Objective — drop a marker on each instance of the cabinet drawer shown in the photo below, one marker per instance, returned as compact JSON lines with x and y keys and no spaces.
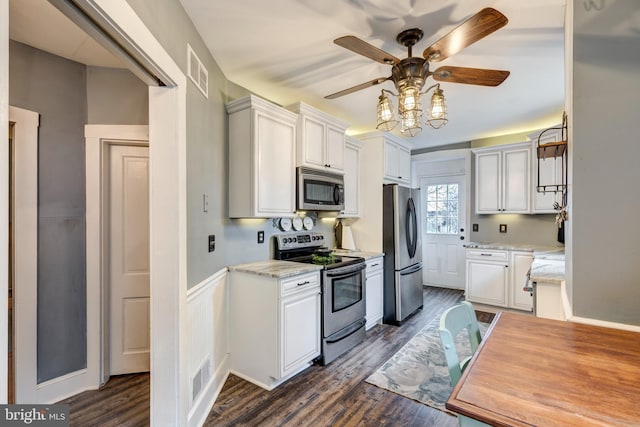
{"x":299,"y":283}
{"x":487,"y":254}
{"x":374,"y":264}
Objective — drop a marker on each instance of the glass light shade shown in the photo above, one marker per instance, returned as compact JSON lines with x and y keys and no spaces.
{"x":386,"y":117}
{"x":409,"y":99}
{"x":411,"y":122}
{"x":438,"y":110}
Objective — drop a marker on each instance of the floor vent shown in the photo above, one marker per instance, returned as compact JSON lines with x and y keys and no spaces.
{"x":197,"y":72}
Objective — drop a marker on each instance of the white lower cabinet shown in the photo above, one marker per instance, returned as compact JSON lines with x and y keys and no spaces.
{"x":519,"y":264}
{"x":374,"y":291}
{"x":496,"y":277}
{"x":274,"y":326}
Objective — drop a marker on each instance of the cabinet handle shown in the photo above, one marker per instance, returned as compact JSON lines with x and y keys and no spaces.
{"x":306,"y":282}
{"x":486,"y":254}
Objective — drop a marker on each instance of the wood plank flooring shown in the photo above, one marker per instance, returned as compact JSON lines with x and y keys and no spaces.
{"x":333,"y":395}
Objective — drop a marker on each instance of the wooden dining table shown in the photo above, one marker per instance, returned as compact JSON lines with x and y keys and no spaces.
{"x":530,"y":371}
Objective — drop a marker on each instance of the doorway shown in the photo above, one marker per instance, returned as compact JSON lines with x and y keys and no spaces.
{"x":118,"y":266}
{"x":444,"y":230}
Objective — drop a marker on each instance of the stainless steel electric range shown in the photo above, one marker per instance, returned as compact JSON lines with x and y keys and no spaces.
{"x":343,"y":290}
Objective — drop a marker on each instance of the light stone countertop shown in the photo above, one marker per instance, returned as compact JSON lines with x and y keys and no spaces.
{"x":276,"y":268}
{"x":515,"y":247}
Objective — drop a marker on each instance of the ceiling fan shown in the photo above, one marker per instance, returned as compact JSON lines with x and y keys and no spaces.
{"x":410,"y":74}
{"x":473,"y":29}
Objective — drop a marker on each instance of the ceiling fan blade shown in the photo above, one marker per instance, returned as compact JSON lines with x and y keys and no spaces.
{"x":470,"y":76}
{"x":358,"y":87}
{"x":361,"y":47}
{"x":470,"y":31}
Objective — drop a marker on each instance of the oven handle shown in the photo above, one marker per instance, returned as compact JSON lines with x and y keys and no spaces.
{"x":349,"y":330}
{"x":344,"y":271}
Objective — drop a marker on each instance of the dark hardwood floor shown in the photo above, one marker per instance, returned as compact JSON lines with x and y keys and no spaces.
{"x":333,"y":395}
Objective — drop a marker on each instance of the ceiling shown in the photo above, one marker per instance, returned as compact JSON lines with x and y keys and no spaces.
{"x":283,"y":50}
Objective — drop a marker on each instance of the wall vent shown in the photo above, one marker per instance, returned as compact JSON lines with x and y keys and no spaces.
{"x":197,"y":72}
{"x":200,"y":379}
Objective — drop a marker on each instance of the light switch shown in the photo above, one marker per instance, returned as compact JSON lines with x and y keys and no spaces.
{"x":212,"y":242}
{"x":503,"y":228}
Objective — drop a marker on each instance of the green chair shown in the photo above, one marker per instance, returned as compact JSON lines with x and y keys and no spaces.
{"x":452,"y":322}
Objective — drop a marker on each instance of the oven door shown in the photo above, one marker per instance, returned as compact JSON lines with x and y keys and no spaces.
{"x":343,"y":297}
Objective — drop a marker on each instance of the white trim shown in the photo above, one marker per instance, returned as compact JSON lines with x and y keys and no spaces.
{"x":62,"y":387}
{"x":168,"y":237}
{"x":25,"y":292}
{"x":4,"y":198}
{"x":195,"y":291}
{"x":203,"y":297}
{"x":97,"y":140}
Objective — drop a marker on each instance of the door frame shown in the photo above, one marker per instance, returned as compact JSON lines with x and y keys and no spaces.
{"x":25,"y":262}
{"x":98,"y":140}
{"x":443,"y":163}
{"x":168,"y":207}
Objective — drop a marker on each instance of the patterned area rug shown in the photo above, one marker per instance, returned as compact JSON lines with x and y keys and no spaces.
{"x":419,"y":369}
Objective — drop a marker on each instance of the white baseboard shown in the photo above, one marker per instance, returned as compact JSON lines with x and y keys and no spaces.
{"x":63,"y":387}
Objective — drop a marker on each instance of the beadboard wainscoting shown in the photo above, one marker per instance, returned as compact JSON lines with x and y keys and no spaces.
{"x":208,"y":341}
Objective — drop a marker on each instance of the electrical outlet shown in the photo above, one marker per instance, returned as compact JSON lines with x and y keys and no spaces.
{"x":503,"y":228}
{"x":475,"y":227}
{"x":261,"y":236}
{"x":212,"y":242}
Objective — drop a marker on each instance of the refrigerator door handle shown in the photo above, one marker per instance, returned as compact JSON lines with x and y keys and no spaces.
{"x":411,"y":228}
{"x":411,"y":270}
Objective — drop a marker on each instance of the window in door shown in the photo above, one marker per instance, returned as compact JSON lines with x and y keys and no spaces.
{"x":442,"y":209}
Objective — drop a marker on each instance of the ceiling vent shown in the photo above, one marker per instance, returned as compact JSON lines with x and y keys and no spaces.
{"x":197,"y":73}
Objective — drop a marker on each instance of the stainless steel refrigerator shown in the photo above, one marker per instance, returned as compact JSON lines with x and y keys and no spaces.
{"x":402,"y":253}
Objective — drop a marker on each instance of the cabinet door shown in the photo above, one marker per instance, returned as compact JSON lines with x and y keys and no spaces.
{"x":487,"y":282}
{"x":351,"y":180}
{"x":391,"y":153}
{"x":274,"y":152}
{"x":516,"y":184}
{"x":374,"y":304}
{"x":404,"y":165}
{"x":519,"y":265}
{"x":335,"y":149}
{"x":313,"y":142}
{"x":488,"y":185}
{"x":300,"y":328}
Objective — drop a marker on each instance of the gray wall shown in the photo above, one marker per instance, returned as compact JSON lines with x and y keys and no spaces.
{"x":207,"y":152}
{"x":116,"y":97}
{"x":605,"y":197}
{"x":56,"y":88}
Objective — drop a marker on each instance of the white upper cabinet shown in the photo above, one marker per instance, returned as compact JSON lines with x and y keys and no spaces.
{"x":262,"y":151}
{"x":351,"y":177}
{"x":320,"y":140}
{"x":503,"y":179}
{"x":546,"y":172}
{"x":397,"y":162}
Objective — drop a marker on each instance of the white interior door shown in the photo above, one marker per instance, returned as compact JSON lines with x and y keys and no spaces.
{"x":444,"y":230}
{"x":129,"y":259}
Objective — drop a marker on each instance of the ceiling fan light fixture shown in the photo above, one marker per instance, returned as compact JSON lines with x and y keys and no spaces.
{"x":437,"y":110}
{"x":411,"y":122}
{"x":386,"y":116}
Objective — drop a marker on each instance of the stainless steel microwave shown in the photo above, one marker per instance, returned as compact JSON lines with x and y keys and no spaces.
{"x":319,"y":190}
